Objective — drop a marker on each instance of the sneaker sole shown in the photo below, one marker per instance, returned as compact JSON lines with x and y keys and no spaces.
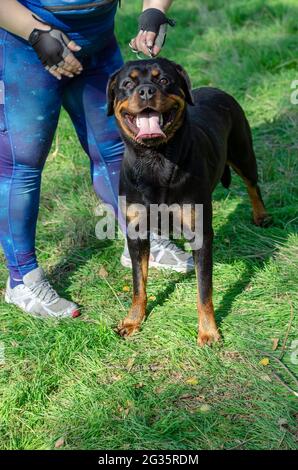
{"x":126,"y":263}
{"x":76,"y":313}
{"x":32,"y":314}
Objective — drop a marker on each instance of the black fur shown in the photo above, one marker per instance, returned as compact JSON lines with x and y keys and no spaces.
{"x":213,"y":135}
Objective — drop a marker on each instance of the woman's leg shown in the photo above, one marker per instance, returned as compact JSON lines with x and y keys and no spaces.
{"x":85,"y":100}
{"x":30,"y":101}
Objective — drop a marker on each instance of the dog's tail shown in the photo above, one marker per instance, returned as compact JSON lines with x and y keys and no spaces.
{"x":226,"y":177}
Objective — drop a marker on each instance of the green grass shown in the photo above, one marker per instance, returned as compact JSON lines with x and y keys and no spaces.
{"x":78,"y":380}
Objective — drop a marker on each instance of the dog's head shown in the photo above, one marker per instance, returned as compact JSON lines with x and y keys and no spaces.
{"x":149,"y":98}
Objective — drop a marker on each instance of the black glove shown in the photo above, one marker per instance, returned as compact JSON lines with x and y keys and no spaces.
{"x":50,"y":46}
{"x":156,"y":21}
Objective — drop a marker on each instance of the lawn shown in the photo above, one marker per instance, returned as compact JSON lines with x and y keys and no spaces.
{"x":77,"y":380}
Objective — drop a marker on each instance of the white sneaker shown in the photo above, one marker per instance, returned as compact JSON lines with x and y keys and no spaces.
{"x":163,"y":255}
{"x":37,"y":297}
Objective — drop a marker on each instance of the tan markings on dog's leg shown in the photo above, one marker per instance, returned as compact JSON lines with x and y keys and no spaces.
{"x":131,"y":324}
{"x":208,"y":332}
{"x":259,"y":211}
{"x":139,"y":297}
{"x":260,"y":214}
{"x":189,"y":219}
{"x":133,"y":213}
{"x":140,"y":260}
{"x":139,"y":301}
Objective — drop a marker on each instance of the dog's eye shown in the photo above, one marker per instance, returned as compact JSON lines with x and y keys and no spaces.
{"x":164,"y":81}
{"x":128,"y":84}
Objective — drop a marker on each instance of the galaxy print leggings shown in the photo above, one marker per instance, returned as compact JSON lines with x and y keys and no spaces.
{"x":30,"y":103}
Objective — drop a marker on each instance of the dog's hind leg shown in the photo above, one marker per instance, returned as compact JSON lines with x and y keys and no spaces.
{"x":241,"y":157}
{"x":260,"y":215}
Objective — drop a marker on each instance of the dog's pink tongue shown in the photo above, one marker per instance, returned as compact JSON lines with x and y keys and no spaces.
{"x":148,"y":124}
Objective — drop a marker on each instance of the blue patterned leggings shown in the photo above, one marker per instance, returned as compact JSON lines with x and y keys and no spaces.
{"x":30,"y":103}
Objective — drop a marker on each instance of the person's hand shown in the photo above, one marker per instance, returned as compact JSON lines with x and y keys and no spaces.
{"x":152,"y":32}
{"x":55,"y":51}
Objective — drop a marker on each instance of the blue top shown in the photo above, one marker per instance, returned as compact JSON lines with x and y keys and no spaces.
{"x":66,"y":3}
{"x":75,"y":15}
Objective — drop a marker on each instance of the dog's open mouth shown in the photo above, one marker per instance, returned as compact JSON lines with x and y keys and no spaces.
{"x":149,"y":124}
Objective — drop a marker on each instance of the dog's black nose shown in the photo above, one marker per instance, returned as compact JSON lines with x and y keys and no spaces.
{"x":146,"y":92}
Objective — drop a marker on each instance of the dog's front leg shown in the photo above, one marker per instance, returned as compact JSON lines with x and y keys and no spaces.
{"x":139,"y":250}
{"x":208,"y":332}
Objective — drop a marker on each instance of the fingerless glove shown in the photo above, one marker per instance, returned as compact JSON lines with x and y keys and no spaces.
{"x":156,"y":21}
{"x":50,"y":46}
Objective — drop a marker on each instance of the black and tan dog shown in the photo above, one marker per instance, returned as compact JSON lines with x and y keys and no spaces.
{"x":179,"y":145}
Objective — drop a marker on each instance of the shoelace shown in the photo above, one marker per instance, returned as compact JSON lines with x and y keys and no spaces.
{"x":44,"y":291}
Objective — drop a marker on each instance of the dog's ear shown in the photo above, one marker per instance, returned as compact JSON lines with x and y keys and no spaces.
{"x":186,"y":84}
{"x":111,"y":93}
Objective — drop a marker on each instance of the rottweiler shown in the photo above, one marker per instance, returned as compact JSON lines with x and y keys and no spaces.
{"x":179,"y":143}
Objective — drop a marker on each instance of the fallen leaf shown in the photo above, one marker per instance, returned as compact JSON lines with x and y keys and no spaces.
{"x":200,"y":398}
{"x":155,"y":367}
{"x":205,"y":408}
{"x":129,"y":406}
{"x":283,"y":424}
{"x":59,"y":443}
{"x":192,"y":381}
{"x":266,"y":378}
{"x":231,"y":355}
{"x":177,"y":376}
{"x":130,"y":363}
{"x":139,"y":385}
{"x":116,"y":378}
{"x":275,"y":342}
{"x":103,"y":273}
{"x":190,"y":398}
{"x":264,"y":362}
{"x":126,"y":288}
{"x":152,"y":297}
{"x":186,"y":396}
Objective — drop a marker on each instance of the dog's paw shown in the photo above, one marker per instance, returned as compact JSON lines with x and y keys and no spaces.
{"x":264,"y":220}
{"x":208,"y":337}
{"x":127,"y":328}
